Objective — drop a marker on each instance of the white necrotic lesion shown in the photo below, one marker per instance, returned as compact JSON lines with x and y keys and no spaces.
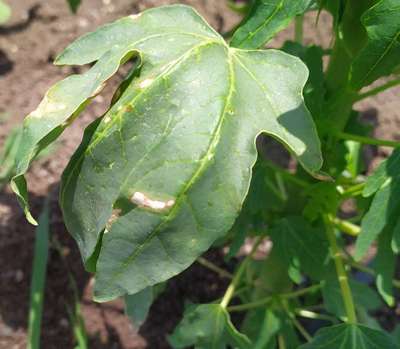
{"x":142,"y":200}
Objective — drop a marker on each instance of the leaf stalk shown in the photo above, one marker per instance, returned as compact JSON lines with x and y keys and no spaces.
{"x":230,"y":291}
{"x":341,"y":272}
{"x":367,"y":140}
{"x":378,"y":89}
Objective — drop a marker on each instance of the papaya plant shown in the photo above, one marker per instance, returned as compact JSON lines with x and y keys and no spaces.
{"x":172,"y":168}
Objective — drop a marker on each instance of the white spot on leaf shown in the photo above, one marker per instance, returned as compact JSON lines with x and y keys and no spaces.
{"x":47,"y":106}
{"x":136,"y":16}
{"x":141,"y":199}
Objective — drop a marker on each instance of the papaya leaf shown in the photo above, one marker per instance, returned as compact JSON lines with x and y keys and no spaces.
{"x":303,"y":248}
{"x":389,"y":168}
{"x":261,"y":326}
{"x":165,"y":171}
{"x":366,"y":298}
{"x":323,"y":197}
{"x":384,"y":266}
{"x":137,"y":305}
{"x":265,"y":19}
{"x":382,"y":51}
{"x":385,"y":206}
{"x":350,"y":336}
{"x":209,"y":327}
{"x":314,"y":91}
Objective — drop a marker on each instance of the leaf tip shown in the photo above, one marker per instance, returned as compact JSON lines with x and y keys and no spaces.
{"x":30,"y":219}
{"x":323,"y":176}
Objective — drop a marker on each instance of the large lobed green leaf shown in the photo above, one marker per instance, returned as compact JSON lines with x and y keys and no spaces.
{"x":265,"y":19}
{"x":349,"y":336}
{"x":165,"y":171}
{"x":381,"y":54}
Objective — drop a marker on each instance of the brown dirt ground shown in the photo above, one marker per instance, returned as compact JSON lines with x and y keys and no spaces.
{"x":28,"y":44}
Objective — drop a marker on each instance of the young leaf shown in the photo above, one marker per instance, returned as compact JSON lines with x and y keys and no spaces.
{"x":382,"y":52}
{"x":350,"y":337}
{"x":265,"y":19}
{"x":165,"y":171}
{"x":302,"y":247}
{"x":209,"y":327}
{"x":385,"y":206}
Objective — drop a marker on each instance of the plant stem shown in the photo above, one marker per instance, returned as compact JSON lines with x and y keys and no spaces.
{"x":281,"y":342}
{"x":215,"y":268}
{"x":268,"y":299}
{"x":367,"y":140}
{"x":301,"y":329}
{"x":315,"y":316}
{"x":341,"y":272}
{"x":237,"y":277}
{"x":378,"y":89}
{"x":353,"y":190}
{"x":298,"y":29}
{"x":345,"y":226}
{"x":296,"y":323}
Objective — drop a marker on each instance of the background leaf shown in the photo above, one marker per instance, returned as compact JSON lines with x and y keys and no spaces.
{"x":365,"y":298}
{"x":384,"y":265}
{"x":209,"y":327}
{"x":381,"y":54}
{"x":265,"y":19}
{"x":350,"y":336}
{"x":385,"y":207}
{"x":314,"y":91}
{"x":137,"y":305}
{"x":302,"y":247}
